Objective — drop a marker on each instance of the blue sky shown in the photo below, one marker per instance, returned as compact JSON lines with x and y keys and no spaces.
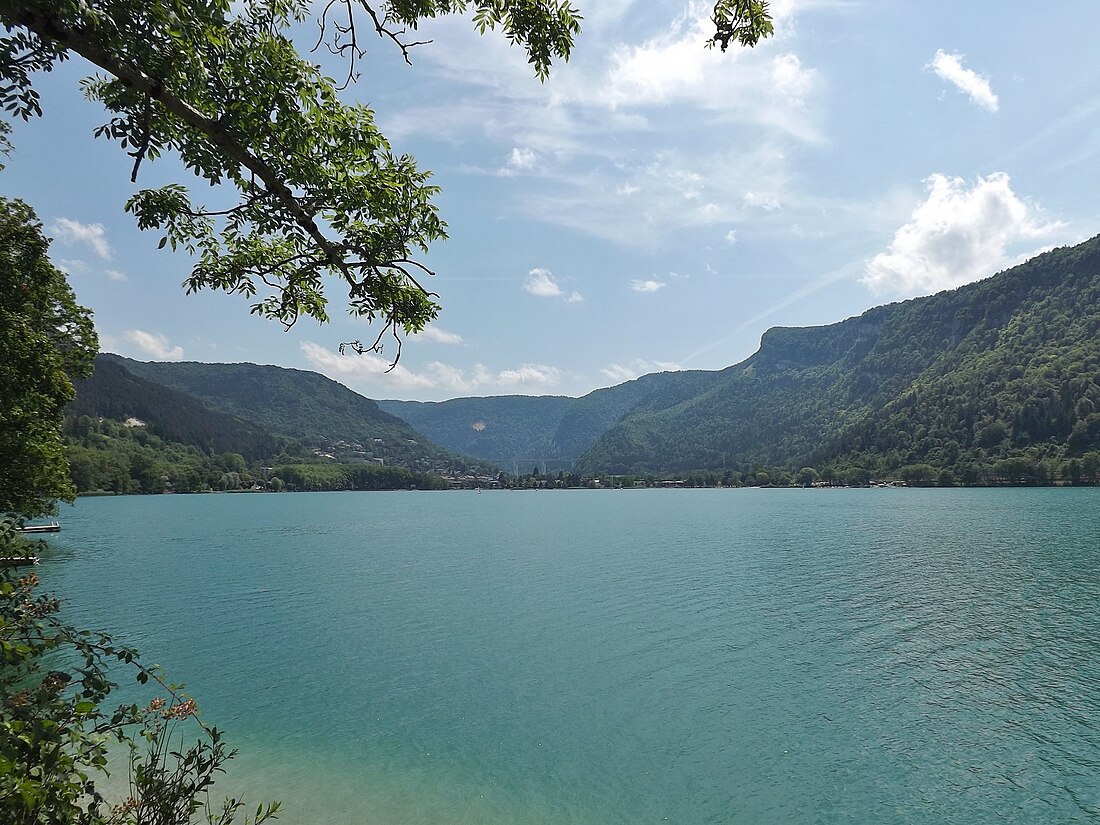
{"x":654,"y":205}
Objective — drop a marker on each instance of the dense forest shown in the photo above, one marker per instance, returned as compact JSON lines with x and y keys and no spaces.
{"x":994,"y":382}
{"x":306,"y":406}
{"x":997,"y":382}
{"x":126,"y":434}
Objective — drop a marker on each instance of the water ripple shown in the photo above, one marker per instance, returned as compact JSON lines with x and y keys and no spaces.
{"x":689,"y":656}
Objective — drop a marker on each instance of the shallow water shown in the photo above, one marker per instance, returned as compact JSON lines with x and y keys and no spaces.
{"x":710,"y":656}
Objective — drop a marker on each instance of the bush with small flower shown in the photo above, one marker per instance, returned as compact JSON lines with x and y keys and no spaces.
{"x":57,"y":733}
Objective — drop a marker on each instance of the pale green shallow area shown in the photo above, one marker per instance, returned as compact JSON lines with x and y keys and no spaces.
{"x":712,"y":656}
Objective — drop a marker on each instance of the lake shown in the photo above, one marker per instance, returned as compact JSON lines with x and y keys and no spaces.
{"x":684,"y":656}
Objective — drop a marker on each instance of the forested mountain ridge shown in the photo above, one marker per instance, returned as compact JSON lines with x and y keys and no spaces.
{"x":115,"y":393}
{"x":127,"y":434}
{"x":512,"y":429}
{"x":1014,"y":356}
{"x":996,"y":381}
{"x":501,"y":429}
{"x":305,"y":406}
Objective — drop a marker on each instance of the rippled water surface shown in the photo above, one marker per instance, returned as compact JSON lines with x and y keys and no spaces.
{"x":712,"y":656}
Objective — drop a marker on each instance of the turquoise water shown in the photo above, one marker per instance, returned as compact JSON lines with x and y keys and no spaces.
{"x":711,"y":656}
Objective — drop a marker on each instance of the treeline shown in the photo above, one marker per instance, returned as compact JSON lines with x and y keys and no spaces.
{"x":317,"y":477}
{"x":109,"y":457}
{"x":1033,"y":470}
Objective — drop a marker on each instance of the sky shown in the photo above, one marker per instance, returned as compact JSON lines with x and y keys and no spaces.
{"x":654,"y":205}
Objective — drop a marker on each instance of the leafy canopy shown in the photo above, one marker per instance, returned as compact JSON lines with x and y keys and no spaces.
{"x":45,"y":340}
{"x":318,"y":191}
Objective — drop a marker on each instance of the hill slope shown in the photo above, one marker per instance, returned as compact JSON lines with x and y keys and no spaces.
{"x":114,"y":392}
{"x":303,"y":405}
{"x":1000,"y":369}
{"x":514,"y":431}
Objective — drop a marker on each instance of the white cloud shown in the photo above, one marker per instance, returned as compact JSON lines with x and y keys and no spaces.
{"x":650,"y":285}
{"x":529,"y":375}
{"x":574,"y":298}
{"x":434,"y":376}
{"x":115,"y":275}
{"x":438,"y":335}
{"x":671,"y":189}
{"x":960,"y":233}
{"x":619,"y":373}
{"x":949,"y":67}
{"x":643,"y":133}
{"x":731,"y":237}
{"x":522,"y":158}
{"x":92,"y":235}
{"x":673,"y":67}
{"x":541,"y":282}
{"x":765,"y":202}
{"x":72,"y":266}
{"x":154,"y":344}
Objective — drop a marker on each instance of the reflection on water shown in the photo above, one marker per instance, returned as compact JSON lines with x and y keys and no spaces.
{"x":589,"y":657}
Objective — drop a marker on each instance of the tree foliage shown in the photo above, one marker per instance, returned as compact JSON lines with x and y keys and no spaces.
{"x":46,"y":339}
{"x":997,"y":382}
{"x":301,"y":405}
{"x":318,"y":190}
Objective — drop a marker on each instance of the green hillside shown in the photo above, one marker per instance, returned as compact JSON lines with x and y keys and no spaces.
{"x":983,"y":382}
{"x":501,"y":429}
{"x":114,"y":392}
{"x":512,"y":430}
{"x":306,"y":406}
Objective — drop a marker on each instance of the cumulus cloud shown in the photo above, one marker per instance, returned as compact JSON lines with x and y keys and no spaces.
{"x":731,"y":237}
{"x":651,"y":285}
{"x":438,"y":335}
{"x":154,"y":344}
{"x":522,"y":158}
{"x":541,"y":282}
{"x":435,"y":376}
{"x":618,"y":373}
{"x":960,"y":233}
{"x":92,"y":235}
{"x":949,"y":67}
{"x":671,"y":67}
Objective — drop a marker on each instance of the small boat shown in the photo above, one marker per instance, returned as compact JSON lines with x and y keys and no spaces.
{"x":17,"y":561}
{"x":52,"y":527}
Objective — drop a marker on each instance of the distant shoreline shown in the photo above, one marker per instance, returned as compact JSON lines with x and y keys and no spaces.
{"x":599,"y":488}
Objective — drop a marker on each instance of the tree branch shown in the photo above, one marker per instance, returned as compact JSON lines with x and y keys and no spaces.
{"x":51,"y":28}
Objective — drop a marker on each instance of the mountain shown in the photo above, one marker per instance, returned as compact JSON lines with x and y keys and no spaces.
{"x":501,"y":429}
{"x":1002,"y":370}
{"x":994,"y":382}
{"x":114,"y":392}
{"x":305,"y":406}
{"x":517,"y":431}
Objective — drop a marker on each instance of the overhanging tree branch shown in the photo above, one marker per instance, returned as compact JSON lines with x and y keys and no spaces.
{"x":320,"y":192}
{"x":83,"y":42}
